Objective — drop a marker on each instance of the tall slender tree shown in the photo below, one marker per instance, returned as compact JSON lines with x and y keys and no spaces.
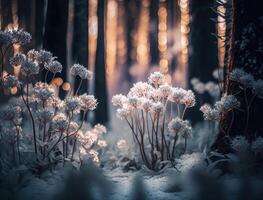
{"x":245,"y":52}
{"x":55,"y":36}
{"x":101,"y":113}
{"x":203,"y":47}
{"x":80,"y":38}
{"x":6,"y":13}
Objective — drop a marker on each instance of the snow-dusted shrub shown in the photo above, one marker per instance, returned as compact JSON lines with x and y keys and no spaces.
{"x":56,"y":125}
{"x":145,"y":109}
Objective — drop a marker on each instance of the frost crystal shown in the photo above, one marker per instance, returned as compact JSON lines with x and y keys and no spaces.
{"x":21,"y":37}
{"x":44,"y":57}
{"x":11,"y":81}
{"x":43,"y":91}
{"x":72,"y":104}
{"x":60,"y":122}
{"x":5,"y":37}
{"x":44,"y":115}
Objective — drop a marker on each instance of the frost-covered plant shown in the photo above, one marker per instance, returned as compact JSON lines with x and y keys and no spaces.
{"x":226,"y":104}
{"x":145,"y":109}
{"x":56,"y":129}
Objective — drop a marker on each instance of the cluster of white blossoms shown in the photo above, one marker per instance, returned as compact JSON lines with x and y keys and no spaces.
{"x":81,"y":71}
{"x":226,"y":104}
{"x":240,"y":144}
{"x":247,"y":81}
{"x":145,"y":109}
{"x":211,"y":87}
{"x":152,"y":97}
{"x":55,"y":121}
{"x":180,"y":126}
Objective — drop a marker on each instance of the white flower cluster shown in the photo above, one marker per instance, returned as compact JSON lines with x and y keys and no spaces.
{"x":11,"y":81}
{"x":211,"y":87}
{"x":81,"y":71}
{"x":227,"y":103}
{"x":180,"y":126}
{"x":247,"y":81}
{"x":151,"y":97}
{"x":14,"y":37}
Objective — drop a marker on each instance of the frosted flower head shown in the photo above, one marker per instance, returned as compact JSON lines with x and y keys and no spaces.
{"x":213,"y":89}
{"x":187,"y":131}
{"x":165,"y":90}
{"x":56,"y":102}
{"x":218,"y":74}
{"x":21,"y":37}
{"x":134,"y":102}
{"x":209,"y":113}
{"x":93,"y":155}
{"x":122,"y":144}
{"x":72,"y":104}
{"x":88,"y":102}
{"x":257,"y":145}
{"x":240,"y":144}
{"x":5,"y":37}
{"x":156,"y":79}
{"x":32,"y":55}
{"x":124,"y":111}
{"x":99,"y":129}
{"x":140,"y":89}
{"x":81,"y":71}
{"x":44,"y":57}
{"x":102,"y":143}
{"x":11,"y":113}
{"x":229,"y":102}
{"x":175,"y":125}
{"x":146,"y":105}
{"x":258,"y":88}
{"x":18,"y":59}
{"x":11,"y":81}
{"x":195,"y":81}
{"x":157,"y":108}
{"x":247,"y":80}
{"x":60,"y":122}
{"x":199,"y":87}
{"x":44,"y":115}
{"x":43,"y":91}
{"x":54,"y":67}
{"x":236,"y":74}
{"x":188,"y":99}
{"x":29,"y":68}
{"x":119,"y":100}
{"x":177,"y":95}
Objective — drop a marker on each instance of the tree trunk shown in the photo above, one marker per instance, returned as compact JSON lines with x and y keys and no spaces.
{"x":6,"y":13}
{"x":153,"y":35}
{"x":245,"y":52}
{"x":203,"y":48}
{"x":101,"y":112}
{"x":39,"y":22}
{"x":80,"y":39}
{"x":55,"y":36}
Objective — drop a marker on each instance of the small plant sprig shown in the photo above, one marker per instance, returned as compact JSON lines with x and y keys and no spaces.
{"x":145,"y":109}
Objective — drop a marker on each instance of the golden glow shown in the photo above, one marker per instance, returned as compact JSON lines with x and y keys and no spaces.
{"x":66,"y":86}
{"x":142,"y":50}
{"x":13,"y":90}
{"x":181,"y":70}
{"x":163,"y":37}
{"x":221,"y":30}
{"x":111,"y":39}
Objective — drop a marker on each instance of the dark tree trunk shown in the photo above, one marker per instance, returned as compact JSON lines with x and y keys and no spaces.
{"x":26,"y":17}
{"x":39,"y":22}
{"x":6,"y":13}
{"x":131,"y":9}
{"x":101,"y":112}
{"x":244,"y":52}
{"x":80,"y":39}
{"x":153,"y":35}
{"x":203,"y":48}
{"x":55,"y":36}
